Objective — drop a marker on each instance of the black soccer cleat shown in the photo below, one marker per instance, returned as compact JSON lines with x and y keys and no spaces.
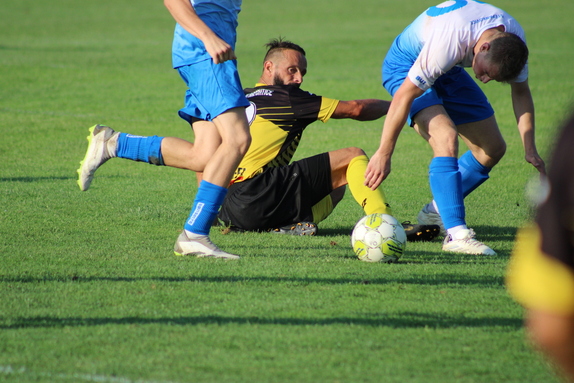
{"x":417,"y":232}
{"x":299,"y":228}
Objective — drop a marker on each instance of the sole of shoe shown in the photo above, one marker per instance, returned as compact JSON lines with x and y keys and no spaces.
{"x":424,"y":218}
{"x":298,"y":229}
{"x":421,"y":233}
{"x":86,"y":184}
{"x":209,"y":253}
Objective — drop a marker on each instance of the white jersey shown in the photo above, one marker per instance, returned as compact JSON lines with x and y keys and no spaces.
{"x":444,"y":36}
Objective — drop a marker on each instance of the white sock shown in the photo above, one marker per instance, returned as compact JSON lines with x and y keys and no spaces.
{"x":191,"y":235}
{"x":453,"y":230}
{"x":432,"y":207}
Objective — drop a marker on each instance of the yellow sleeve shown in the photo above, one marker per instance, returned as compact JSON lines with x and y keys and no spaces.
{"x":328,"y":106}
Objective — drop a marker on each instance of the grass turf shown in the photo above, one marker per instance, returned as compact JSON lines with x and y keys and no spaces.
{"x":91,"y":290}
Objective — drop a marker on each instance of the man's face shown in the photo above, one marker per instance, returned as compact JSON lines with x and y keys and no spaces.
{"x":484,"y":70}
{"x":289,"y":68}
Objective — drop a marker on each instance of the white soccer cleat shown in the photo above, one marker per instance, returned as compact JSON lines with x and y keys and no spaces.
{"x":200,"y":246}
{"x":465,"y":243}
{"x":426,"y":217}
{"x":102,"y":145}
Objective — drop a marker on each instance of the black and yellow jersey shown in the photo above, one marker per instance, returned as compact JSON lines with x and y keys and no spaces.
{"x":278,"y":115}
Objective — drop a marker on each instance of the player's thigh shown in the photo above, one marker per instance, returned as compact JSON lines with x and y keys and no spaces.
{"x":339,"y":161}
{"x":233,"y":128}
{"x":435,"y":126}
{"x":484,"y":139}
{"x":207,"y":140}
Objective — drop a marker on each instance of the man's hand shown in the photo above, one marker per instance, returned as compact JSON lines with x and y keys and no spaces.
{"x":535,"y":160}
{"x":218,"y":49}
{"x":378,"y":170}
{"x":184,"y":13}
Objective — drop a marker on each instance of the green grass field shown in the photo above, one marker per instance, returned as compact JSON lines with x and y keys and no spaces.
{"x":90,"y":290}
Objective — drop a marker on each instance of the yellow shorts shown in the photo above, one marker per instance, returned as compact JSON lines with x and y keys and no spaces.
{"x":538,"y":281}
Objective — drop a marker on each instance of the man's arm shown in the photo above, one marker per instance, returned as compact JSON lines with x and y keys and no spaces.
{"x":524,"y":112}
{"x":184,"y":14}
{"x":362,"y":110}
{"x":380,"y":164}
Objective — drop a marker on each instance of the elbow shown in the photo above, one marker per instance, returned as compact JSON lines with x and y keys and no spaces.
{"x":358,"y":112}
{"x":363,"y":112}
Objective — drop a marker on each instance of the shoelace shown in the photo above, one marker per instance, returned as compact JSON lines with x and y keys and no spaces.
{"x":470,"y":239}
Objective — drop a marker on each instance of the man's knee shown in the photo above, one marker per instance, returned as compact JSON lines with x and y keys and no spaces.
{"x":342,"y":157}
{"x":237,"y":143}
{"x":491,"y":155}
{"x":498,"y":151}
{"x":356,"y":152}
{"x":244,"y":143}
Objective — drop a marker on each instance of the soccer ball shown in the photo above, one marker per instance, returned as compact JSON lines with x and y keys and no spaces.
{"x":378,"y":238}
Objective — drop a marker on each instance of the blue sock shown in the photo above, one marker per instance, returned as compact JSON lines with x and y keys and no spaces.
{"x":473,"y":173}
{"x":139,"y":148}
{"x":205,"y":208}
{"x":446,"y":187}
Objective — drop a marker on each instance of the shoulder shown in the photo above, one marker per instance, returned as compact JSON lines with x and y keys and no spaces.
{"x":291,"y":91}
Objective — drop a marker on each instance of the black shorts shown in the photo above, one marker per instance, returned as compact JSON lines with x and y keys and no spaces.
{"x":279,"y":196}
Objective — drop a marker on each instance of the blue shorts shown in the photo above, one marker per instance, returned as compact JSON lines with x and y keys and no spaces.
{"x":212,"y":89}
{"x":455,"y":90}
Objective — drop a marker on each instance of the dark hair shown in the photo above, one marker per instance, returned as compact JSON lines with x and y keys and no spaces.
{"x":510,"y":53}
{"x":275,"y":45}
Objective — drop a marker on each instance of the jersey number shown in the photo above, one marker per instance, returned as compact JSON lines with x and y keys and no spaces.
{"x":454,"y":5}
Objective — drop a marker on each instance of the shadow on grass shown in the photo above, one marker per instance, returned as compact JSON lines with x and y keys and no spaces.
{"x":484,"y":233}
{"x":399,"y":320}
{"x":52,"y":178}
{"x":332,"y":232}
{"x":35,"y":179}
{"x":425,"y":280}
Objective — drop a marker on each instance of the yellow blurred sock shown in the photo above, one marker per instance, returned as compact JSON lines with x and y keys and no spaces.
{"x":372,"y":201}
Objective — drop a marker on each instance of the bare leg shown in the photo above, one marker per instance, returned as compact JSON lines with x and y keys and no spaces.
{"x":179,"y":153}
{"x":339,"y":160}
{"x":485,"y":141}
{"x":235,"y":140}
{"x":554,"y":334}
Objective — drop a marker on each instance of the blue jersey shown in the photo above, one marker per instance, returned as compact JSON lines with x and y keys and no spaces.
{"x":220,"y":16}
{"x":444,"y":36}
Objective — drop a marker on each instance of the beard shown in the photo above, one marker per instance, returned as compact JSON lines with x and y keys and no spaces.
{"x":279,"y":82}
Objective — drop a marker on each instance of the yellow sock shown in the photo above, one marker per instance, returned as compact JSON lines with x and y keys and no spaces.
{"x":372,"y":201}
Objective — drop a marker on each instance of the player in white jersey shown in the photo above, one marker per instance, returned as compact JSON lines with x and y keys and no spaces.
{"x":424,"y":73}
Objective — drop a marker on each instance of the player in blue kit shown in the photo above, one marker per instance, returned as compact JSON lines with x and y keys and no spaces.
{"x":423,"y":71}
{"x":203,"y":54}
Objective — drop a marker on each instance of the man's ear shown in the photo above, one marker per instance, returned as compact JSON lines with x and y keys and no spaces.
{"x":485,"y":47}
{"x":268,"y":66}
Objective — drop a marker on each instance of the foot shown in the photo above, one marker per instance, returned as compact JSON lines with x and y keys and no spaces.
{"x":427,"y":217}
{"x":420,"y":232}
{"x":299,"y":228}
{"x":464,"y":242}
{"x":102,"y":145}
{"x":200,"y":246}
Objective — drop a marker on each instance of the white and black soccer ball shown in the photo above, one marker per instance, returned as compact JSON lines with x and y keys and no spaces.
{"x":378,"y":238}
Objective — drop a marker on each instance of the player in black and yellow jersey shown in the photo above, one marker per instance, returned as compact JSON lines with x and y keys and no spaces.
{"x":541,"y":272}
{"x":268,"y":191}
